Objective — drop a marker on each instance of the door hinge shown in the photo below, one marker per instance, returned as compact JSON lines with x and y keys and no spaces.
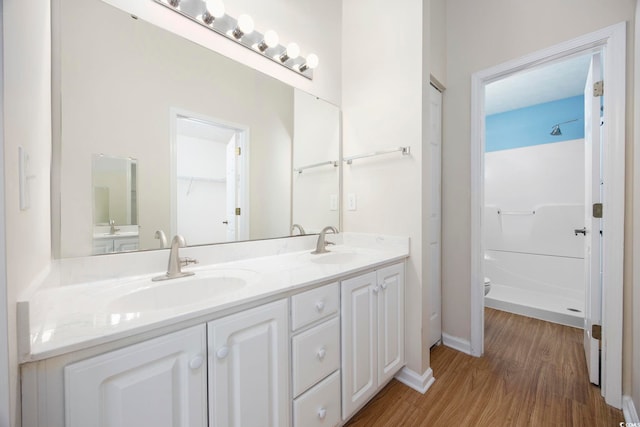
{"x":596,"y":332}
{"x":597,"y":210}
{"x":598,"y":88}
{"x":237,"y":211}
{"x":238,"y":151}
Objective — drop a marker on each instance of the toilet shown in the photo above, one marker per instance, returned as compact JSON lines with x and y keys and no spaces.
{"x":487,"y":285}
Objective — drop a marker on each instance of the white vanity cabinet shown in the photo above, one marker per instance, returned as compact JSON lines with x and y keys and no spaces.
{"x":249,"y":368}
{"x":315,"y":356}
{"x":161,"y":382}
{"x":372,"y":309}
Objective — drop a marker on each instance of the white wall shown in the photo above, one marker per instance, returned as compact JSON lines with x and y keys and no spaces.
{"x":480,"y":35}
{"x":27,"y":120}
{"x":634,"y":293}
{"x":382,"y":105}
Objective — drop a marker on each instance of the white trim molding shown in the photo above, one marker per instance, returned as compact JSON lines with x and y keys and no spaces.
{"x":629,"y":410}
{"x":612,"y":40}
{"x":457,"y":344}
{"x":420,"y":383}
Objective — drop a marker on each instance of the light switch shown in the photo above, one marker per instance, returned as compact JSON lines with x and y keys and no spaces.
{"x":351,"y":202}
{"x":333,"y":202}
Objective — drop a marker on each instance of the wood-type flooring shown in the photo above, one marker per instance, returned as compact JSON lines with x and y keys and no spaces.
{"x":533,"y":373}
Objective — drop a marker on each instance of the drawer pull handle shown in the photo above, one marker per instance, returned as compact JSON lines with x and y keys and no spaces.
{"x":320,"y":306}
{"x":196,"y":362}
{"x":222,"y":352}
{"x":321,"y":354}
{"x":322,"y":413}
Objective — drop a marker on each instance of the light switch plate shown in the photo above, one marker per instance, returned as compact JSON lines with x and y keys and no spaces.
{"x":351,"y":202}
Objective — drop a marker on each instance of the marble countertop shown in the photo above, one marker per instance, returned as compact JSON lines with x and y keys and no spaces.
{"x":68,"y":318}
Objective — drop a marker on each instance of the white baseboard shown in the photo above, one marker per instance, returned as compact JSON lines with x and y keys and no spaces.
{"x":456,"y":343}
{"x":417,"y":382}
{"x":629,"y":410}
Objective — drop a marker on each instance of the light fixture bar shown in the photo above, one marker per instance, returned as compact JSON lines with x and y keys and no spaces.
{"x":229,"y":27}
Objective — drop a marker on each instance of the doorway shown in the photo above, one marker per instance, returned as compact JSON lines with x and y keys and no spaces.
{"x":209,"y":180}
{"x":611,"y":41}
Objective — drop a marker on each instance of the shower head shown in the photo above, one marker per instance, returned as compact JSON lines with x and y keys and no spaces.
{"x":555,"y":131}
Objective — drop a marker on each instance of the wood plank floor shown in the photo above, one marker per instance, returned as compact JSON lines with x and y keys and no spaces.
{"x":533,"y":373}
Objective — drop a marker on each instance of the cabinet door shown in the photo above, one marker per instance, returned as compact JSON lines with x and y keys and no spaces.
{"x":359,"y":341}
{"x":160,"y":383}
{"x":390,"y":321}
{"x":249,"y":368}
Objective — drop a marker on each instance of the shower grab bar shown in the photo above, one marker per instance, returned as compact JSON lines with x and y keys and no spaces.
{"x":501,"y":212}
{"x":315,"y":165}
{"x":404,"y":150}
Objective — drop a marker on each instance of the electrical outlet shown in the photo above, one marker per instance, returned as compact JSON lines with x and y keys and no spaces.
{"x":351,"y":202}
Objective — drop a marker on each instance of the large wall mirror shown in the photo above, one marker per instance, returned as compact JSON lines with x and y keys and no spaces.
{"x":209,"y":148}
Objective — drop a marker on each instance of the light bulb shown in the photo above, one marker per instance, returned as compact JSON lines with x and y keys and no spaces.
{"x":245,"y":24}
{"x":311,"y":63}
{"x":214,"y":9}
{"x":292,"y":52}
{"x":270,"y":39}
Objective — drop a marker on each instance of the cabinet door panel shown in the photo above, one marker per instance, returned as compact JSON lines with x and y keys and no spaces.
{"x":390,"y":321}
{"x":152,"y":383}
{"x":249,"y":368}
{"x":359,"y":341}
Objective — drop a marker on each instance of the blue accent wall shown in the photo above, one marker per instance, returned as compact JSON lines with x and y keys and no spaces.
{"x":532,"y":125}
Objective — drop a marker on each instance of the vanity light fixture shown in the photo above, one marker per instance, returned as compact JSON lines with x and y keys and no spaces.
{"x":211,"y":15}
{"x":291,"y":52}
{"x":213,"y":10}
{"x":244,"y":26}
{"x":270,"y":39}
{"x":311,"y":64}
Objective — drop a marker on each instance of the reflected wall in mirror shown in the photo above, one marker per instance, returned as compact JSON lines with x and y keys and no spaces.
{"x":114,"y":190}
{"x":123,"y":86}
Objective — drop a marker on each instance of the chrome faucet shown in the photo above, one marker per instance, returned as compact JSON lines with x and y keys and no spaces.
{"x":321,"y":246}
{"x":174,"y":269}
{"x":300,"y":229}
{"x":163,"y":238}
{"x":113,"y":229}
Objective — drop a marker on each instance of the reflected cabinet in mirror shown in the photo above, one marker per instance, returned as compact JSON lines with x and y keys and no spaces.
{"x":218,"y":146}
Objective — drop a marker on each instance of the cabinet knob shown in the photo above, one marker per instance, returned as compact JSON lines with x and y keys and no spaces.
{"x":320,"y":306}
{"x":376,"y":289}
{"x":321,"y":353}
{"x":196,"y":362}
{"x":383,"y":285}
{"x":222,"y":352}
{"x":322,"y":413}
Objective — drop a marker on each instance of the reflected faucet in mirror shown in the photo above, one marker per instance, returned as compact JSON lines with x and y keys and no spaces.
{"x":163,"y":238}
{"x":301,"y":231}
{"x":174,"y":269}
{"x":113,"y":229}
{"x":321,"y":246}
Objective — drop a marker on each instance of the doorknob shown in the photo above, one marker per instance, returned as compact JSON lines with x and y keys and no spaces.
{"x":225,"y":222}
{"x":582,"y":231}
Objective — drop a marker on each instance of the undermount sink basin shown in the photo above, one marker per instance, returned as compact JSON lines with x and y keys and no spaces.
{"x":334,"y":257}
{"x":175,"y":293}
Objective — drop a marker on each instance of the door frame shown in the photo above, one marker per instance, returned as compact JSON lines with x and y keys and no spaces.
{"x":243,"y":231}
{"x":612,"y":40}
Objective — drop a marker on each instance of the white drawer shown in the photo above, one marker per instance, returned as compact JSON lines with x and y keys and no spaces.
{"x":313,"y":305}
{"x":316,"y":353}
{"x":320,"y":406}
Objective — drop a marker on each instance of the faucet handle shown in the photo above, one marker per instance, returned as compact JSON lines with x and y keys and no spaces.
{"x":187,"y":261}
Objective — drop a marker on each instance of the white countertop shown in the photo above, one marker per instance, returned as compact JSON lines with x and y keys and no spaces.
{"x":66,"y":318}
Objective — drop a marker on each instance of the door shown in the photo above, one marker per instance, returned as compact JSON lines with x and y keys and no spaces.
{"x":161,"y":382}
{"x":592,"y":230}
{"x":232,"y":196}
{"x":359,"y":341}
{"x":390,"y":295}
{"x":249,"y":368}
{"x":435,"y":221}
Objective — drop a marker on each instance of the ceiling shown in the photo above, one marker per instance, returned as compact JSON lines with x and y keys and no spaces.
{"x":545,"y":83}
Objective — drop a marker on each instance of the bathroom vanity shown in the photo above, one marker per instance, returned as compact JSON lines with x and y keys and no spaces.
{"x":289,"y":339}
